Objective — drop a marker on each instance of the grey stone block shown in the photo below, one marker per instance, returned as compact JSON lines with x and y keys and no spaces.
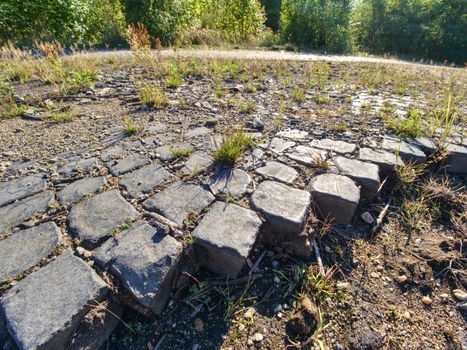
{"x":277,"y":145}
{"x":118,"y":151}
{"x":408,"y":152}
{"x":196,"y":132}
{"x":293,"y":134}
{"x":178,"y":200}
{"x":145,"y":260}
{"x":198,"y":162}
{"x":336,"y":146}
{"x":43,"y":310}
{"x":365,"y":174}
{"x":166,"y":152}
{"x":145,"y":179}
{"x":278,"y":171}
{"x":73,"y":192}
{"x":131,"y":162}
{"x":26,"y":248}
{"x":20,"y":188}
{"x":94,"y":219}
{"x":77,"y":165}
{"x":457,"y":160}
{"x":17,"y":213}
{"x":385,"y":160}
{"x":230,"y":182}
{"x":307,"y":155}
{"x":226,"y":235}
{"x":425,"y":144}
{"x":284,"y":207}
{"x":336,"y":196}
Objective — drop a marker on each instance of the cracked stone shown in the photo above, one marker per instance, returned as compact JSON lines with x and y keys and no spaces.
{"x":20,"y":188}
{"x":365,"y":174}
{"x":94,"y":219}
{"x":27,"y":248}
{"x":336,"y":196}
{"x":277,"y":145}
{"x":385,"y":160}
{"x":307,"y":155}
{"x":17,"y":213}
{"x":225,"y":236}
{"x":145,"y":179}
{"x":198,"y":162}
{"x":234,"y":183}
{"x":294,"y":134}
{"x":179,"y":200}
{"x":43,"y":310}
{"x":284,"y":207}
{"x":278,"y":171}
{"x":73,"y":192}
{"x":145,"y":260}
{"x":408,"y":152}
{"x":131,"y":162}
{"x":336,"y":146}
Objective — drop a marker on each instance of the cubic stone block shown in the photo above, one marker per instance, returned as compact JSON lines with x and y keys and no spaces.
{"x":145,"y":179}
{"x":43,"y":310}
{"x":26,"y":248}
{"x":234,"y":183}
{"x":178,"y":200}
{"x":385,"y":160}
{"x":94,"y":219}
{"x":20,"y":188}
{"x":284,"y":207}
{"x":17,"y":213}
{"x":119,"y":150}
{"x":278,"y":171}
{"x":336,"y":196}
{"x":336,"y":146}
{"x":277,"y":145}
{"x":198,"y":161}
{"x":225,"y":237}
{"x":145,"y":260}
{"x":73,"y":192}
{"x":365,"y":174}
{"x":131,"y":162}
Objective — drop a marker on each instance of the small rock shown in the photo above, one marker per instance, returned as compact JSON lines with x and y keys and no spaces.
{"x":257,"y":123}
{"x":460,"y":294}
{"x":198,"y":324}
{"x":426,"y":300}
{"x":277,"y":279}
{"x":249,"y":313}
{"x":278,"y":308}
{"x":401,"y":279}
{"x":367,"y":217}
{"x":258,"y":337}
{"x":249,"y":342}
{"x":342,"y":285}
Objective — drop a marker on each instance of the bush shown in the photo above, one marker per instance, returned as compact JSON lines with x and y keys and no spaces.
{"x":316,"y":24}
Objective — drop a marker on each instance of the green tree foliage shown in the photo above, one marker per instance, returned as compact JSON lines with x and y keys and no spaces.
{"x":317,"y":24}
{"x":419,"y":28}
{"x":273,"y":13}
{"x":68,"y":21}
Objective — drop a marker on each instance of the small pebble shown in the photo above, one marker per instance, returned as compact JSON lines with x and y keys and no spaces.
{"x":198,"y":324}
{"x":277,"y":280}
{"x":460,"y":294}
{"x":342,"y":285}
{"x":401,"y":279}
{"x":249,"y":313}
{"x":258,"y":337}
{"x":426,"y":300}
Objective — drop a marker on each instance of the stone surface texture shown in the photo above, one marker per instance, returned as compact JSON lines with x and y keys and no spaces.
{"x":178,"y":200}
{"x":20,"y":188}
{"x":73,"y":192}
{"x":26,"y":248}
{"x":225,"y":236}
{"x":336,"y":146}
{"x":385,"y":160}
{"x":43,"y":310}
{"x":145,"y":179}
{"x":94,"y":219}
{"x":278,"y":171}
{"x":131,"y":162}
{"x":234,"y":183}
{"x":336,"y":196}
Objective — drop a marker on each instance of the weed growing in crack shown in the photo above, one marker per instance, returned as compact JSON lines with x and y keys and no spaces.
{"x":233,"y":146}
{"x":174,"y":79}
{"x":247,"y":107}
{"x":409,"y":126}
{"x":298,"y":95}
{"x":153,"y":96}
{"x":62,"y":117}
{"x":181,"y":152}
{"x":129,"y":127}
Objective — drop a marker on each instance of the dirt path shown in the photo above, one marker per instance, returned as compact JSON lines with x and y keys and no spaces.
{"x":263,"y":54}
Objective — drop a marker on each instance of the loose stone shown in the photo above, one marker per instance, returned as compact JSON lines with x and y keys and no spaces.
{"x":307,"y":155}
{"x":336,"y":196}
{"x":336,"y":146}
{"x":225,"y":237}
{"x":277,"y":145}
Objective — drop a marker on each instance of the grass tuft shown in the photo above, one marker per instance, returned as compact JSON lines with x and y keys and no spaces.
{"x":129,"y":128}
{"x":152,"y":95}
{"x":233,"y":147}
